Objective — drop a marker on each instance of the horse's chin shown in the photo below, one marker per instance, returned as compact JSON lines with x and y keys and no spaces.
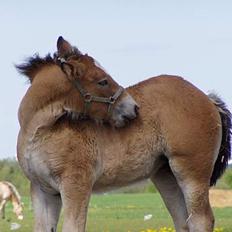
{"x":120,"y":123}
{"x":123,"y":119}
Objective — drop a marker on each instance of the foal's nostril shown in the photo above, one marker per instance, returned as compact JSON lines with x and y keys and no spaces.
{"x":136,"y":110}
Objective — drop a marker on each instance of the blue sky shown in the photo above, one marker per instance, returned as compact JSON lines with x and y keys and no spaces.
{"x":133,"y":40}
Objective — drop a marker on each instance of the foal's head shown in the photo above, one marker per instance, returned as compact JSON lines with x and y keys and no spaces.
{"x":87,"y":90}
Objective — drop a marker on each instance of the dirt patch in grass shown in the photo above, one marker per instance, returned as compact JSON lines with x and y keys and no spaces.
{"x":220,"y":198}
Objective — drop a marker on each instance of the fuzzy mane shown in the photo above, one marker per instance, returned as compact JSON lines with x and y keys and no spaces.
{"x":34,"y":63}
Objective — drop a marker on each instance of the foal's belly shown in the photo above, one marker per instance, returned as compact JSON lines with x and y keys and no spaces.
{"x":124,"y":170}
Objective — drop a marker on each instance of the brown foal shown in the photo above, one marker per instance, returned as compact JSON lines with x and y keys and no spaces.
{"x":77,"y":137}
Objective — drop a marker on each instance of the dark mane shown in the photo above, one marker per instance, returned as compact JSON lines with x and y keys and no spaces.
{"x":33,"y":64}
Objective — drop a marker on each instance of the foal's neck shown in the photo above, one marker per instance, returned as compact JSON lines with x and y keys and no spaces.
{"x":44,"y":101}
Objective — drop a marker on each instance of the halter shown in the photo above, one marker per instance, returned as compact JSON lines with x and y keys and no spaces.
{"x":89,"y":98}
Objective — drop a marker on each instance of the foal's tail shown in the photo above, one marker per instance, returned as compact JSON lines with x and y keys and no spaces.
{"x":225,"y":150}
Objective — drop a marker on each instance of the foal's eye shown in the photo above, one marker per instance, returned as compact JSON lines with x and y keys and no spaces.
{"x":103,"y":82}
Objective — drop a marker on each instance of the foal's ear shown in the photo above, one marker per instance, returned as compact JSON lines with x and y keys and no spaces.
{"x":73,"y":69}
{"x":63,"y":47}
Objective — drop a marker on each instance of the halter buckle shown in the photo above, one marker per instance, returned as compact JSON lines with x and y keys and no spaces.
{"x":112,"y":100}
{"x":88,"y":97}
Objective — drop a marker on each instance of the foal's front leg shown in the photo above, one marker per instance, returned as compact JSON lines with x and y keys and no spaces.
{"x":2,"y":208}
{"x":46,"y":209}
{"x":75,"y":192}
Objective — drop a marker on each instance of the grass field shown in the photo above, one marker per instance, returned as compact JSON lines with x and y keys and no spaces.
{"x":119,"y":213}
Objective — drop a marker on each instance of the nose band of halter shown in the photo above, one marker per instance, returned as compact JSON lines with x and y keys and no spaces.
{"x":88,"y":98}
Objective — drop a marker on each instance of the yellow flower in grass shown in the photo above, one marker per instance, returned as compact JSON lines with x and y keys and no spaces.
{"x":166,"y":229}
{"x":220,"y":229}
{"x":169,"y":229}
{"x":150,"y":230}
{"x":162,"y":229}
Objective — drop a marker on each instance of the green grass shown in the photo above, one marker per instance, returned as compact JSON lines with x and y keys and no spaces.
{"x":119,"y":213}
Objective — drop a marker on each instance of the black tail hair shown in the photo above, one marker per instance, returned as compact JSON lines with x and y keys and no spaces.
{"x":225,"y":150}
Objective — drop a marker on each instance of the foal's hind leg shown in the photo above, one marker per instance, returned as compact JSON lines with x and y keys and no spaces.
{"x":173,"y":197}
{"x":3,"y":211}
{"x":46,"y":209}
{"x":194,"y":183}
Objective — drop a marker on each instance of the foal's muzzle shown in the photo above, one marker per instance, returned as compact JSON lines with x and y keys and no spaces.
{"x":125,"y":111}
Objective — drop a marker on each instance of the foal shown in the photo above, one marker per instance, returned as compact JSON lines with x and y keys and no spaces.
{"x":180,"y":139}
